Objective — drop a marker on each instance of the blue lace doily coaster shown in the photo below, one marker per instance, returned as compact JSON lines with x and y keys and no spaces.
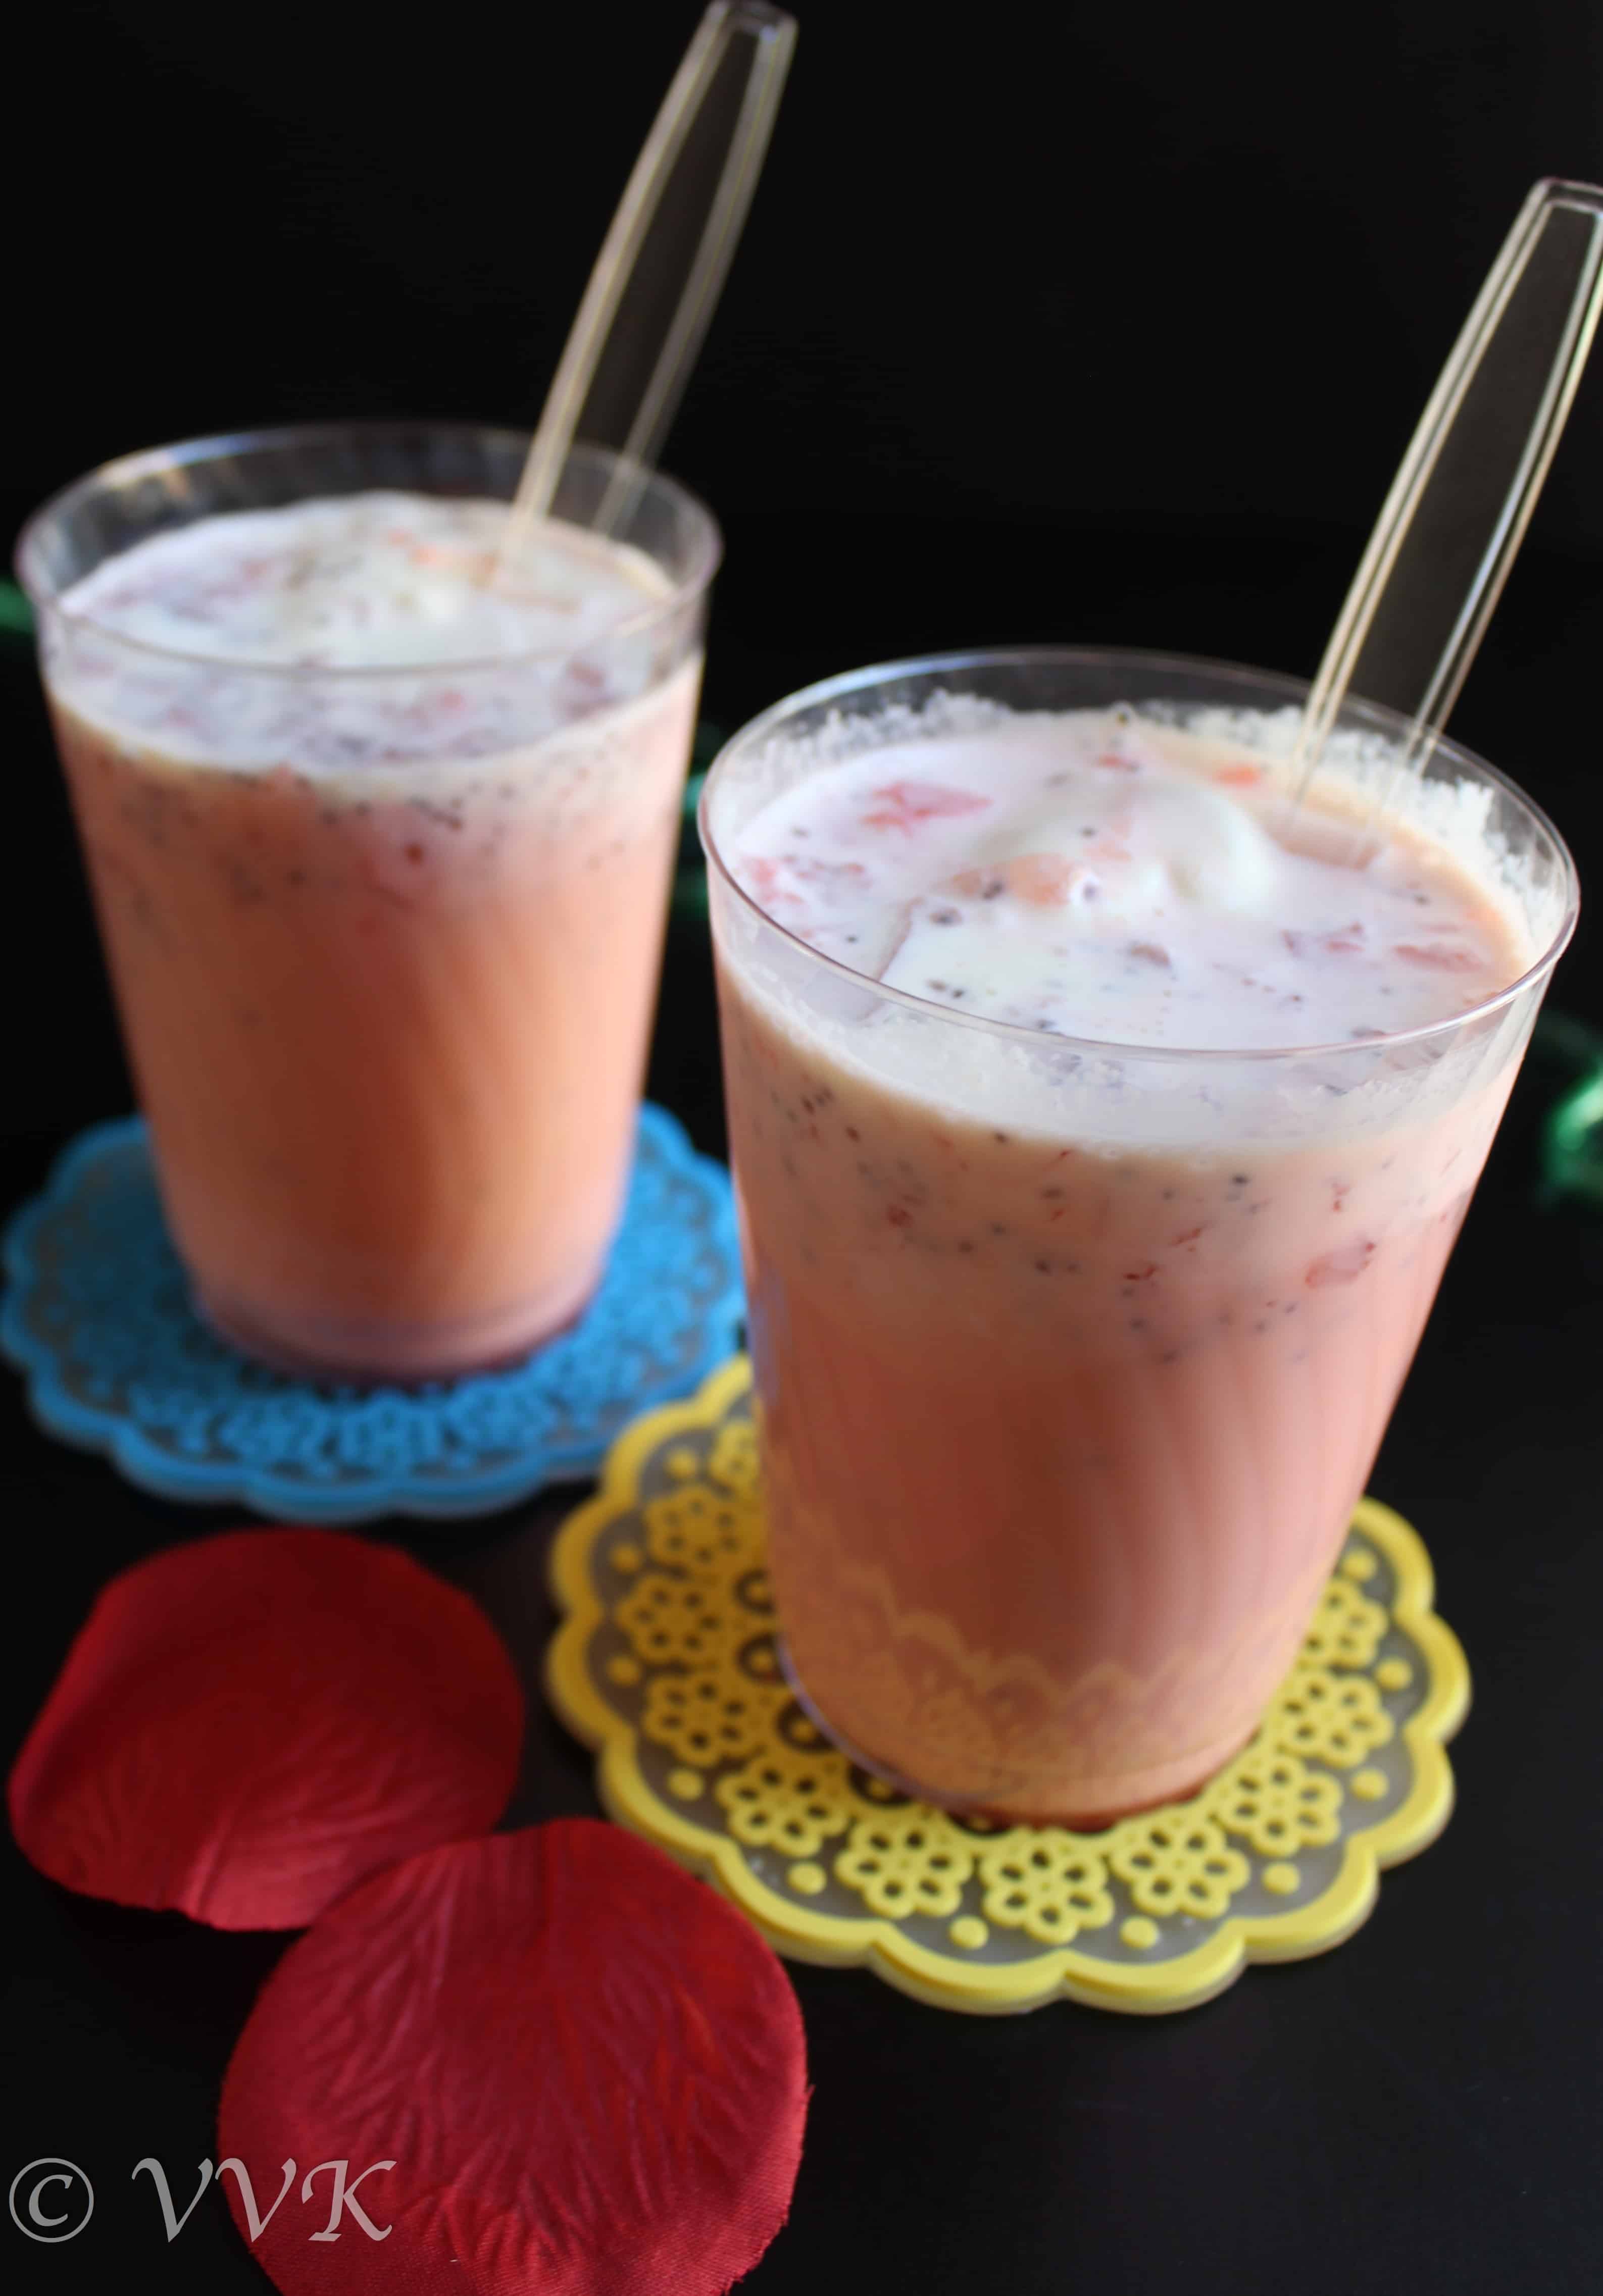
{"x":98,"y":1315}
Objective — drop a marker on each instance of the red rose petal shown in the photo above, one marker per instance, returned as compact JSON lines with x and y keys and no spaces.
{"x":587,"y":2070}
{"x":247,"y":1726}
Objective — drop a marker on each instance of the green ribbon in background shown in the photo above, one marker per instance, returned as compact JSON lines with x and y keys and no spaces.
{"x":1572,"y":1135}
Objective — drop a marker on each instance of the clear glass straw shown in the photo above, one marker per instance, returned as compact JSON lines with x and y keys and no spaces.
{"x":1459,"y":504}
{"x":657,"y":279}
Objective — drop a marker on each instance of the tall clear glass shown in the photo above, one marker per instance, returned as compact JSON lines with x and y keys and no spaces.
{"x":384,"y":940}
{"x":1073,"y":1356}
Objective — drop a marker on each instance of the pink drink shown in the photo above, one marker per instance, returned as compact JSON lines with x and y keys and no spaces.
{"x":1075,"y":1335}
{"x":380,"y":857}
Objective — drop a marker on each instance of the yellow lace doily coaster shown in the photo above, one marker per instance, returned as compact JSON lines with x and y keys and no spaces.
{"x":665,"y":1662}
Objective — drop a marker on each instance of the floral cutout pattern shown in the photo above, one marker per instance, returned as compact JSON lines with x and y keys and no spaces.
{"x":98,"y":1315}
{"x":667,"y":1662}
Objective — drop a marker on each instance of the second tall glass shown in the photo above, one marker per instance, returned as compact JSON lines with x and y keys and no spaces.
{"x":384,"y":939}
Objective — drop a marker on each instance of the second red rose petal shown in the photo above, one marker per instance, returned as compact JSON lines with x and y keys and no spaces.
{"x":546,"y":2064}
{"x":247,"y":1726}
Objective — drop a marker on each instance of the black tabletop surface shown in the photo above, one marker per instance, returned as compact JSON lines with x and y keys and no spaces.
{"x":1422,"y":2109}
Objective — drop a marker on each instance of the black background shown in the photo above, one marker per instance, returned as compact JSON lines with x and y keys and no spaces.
{"x":1061,"y":324}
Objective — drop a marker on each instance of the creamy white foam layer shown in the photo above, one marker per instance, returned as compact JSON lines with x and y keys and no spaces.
{"x":1213,"y":882}
{"x":1096,"y":875}
{"x":388,"y":583}
{"x":363,"y":582}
